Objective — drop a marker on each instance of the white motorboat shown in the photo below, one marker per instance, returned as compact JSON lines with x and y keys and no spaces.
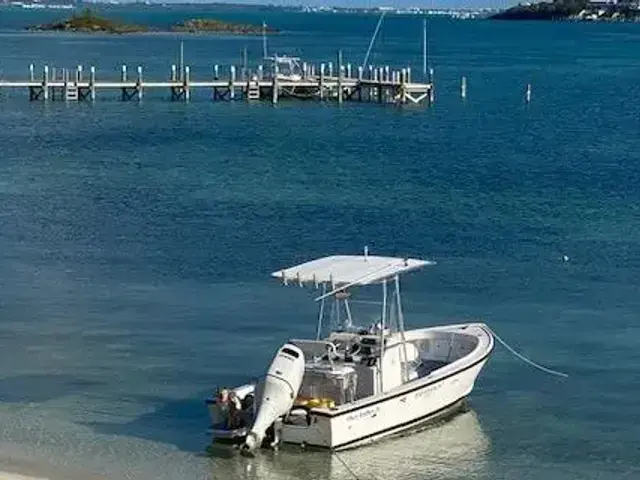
{"x":288,"y":69}
{"x":354,"y":384}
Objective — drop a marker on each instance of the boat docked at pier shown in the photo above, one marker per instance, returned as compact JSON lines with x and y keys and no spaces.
{"x":354,"y":383}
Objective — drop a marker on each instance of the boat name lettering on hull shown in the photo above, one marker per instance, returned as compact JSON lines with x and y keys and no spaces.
{"x":429,"y":390}
{"x":369,"y":412}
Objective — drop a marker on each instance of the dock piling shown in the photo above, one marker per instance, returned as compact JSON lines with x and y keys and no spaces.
{"x":45,"y":82}
{"x":274,"y":85}
{"x":232,"y":81}
{"x":527,"y":95}
{"x":32,"y":77}
{"x":174,"y":73}
{"x":430,"y":81}
{"x":340,"y":74}
{"x":92,"y":83}
{"x":463,"y":88}
{"x":123,"y":80}
{"x":186,"y":86}
{"x":139,"y":83}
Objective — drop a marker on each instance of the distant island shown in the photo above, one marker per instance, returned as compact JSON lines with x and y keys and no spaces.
{"x":88,"y":22}
{"x":577,"y":10}
{"x":196,"y":25}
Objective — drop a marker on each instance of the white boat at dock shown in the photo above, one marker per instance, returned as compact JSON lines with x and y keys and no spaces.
{"x":354,"y":384}
{"x":286,"y":68}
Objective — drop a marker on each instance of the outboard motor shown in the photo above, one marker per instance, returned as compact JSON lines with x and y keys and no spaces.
{"x":281,"y":386}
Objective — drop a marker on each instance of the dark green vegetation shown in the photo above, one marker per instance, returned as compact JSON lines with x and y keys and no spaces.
{"x":89,"y":21}
{"x":212,"y":25}
{"x":580,"y":10}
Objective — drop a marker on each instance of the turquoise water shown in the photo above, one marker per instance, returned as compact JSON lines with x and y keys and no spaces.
{"x":137,"y":242}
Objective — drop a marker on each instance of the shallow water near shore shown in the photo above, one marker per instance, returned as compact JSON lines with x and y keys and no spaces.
{"x":137,"y":242}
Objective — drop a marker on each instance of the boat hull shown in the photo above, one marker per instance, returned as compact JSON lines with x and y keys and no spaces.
{"x":395,"y":413}
{"x":400,"y":410}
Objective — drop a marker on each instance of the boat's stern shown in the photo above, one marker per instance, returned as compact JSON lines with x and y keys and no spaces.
{"x":223,"y":428}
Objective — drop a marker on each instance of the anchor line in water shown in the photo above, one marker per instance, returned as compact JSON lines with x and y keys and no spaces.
{"x":344,"y":464}
{"x":525,"y":359}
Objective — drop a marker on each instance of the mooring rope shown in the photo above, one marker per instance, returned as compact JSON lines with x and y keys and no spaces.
{"x":525,"y":359}
{"x":346,"y":466}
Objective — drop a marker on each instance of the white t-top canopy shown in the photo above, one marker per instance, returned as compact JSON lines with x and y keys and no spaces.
{"x":354,"y":270}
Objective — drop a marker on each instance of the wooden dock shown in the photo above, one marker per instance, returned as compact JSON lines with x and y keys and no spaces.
{"x":316,"y":82}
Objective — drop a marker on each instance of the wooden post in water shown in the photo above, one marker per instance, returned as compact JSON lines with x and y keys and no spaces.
{"x":527,"y":95}
{"x":187,"y":83}
{"x":274,"y":84}
{"x":340,"y":92}
{"x":322,"y":81}
{"x":139,"y":83}
{"x":216,"y":72}
{"x":232,"y":82}
{"x":79,"y":74}
{"x":32,"y":77}
{"x":431,"y":86}
{"x":123,"y":79}
{"x":174,"y":74}
{"x":463,"y":88}
{"x":92,"y":83}
{"x":45,"y":82}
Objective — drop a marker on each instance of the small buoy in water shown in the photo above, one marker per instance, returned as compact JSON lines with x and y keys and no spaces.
{"x":565,"y":258}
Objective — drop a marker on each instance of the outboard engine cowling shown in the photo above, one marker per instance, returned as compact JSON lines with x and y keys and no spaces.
{"x":280,"y":388}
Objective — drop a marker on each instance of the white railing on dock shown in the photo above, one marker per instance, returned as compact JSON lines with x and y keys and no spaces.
{"x":323,"y":81}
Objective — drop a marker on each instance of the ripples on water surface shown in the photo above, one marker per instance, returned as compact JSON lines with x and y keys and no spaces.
{"x":137,"y":241}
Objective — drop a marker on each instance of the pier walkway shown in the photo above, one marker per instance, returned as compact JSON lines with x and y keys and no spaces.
{"x":316,"y":82}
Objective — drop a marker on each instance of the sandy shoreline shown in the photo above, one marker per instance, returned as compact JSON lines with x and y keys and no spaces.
{"x":22,"y":469}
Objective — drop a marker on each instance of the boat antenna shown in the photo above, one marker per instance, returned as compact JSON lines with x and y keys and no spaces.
{"x":181,"y":60}
{"x":425,"y":46}
{"x":373,"y":38}
{"x":264,"y":39}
